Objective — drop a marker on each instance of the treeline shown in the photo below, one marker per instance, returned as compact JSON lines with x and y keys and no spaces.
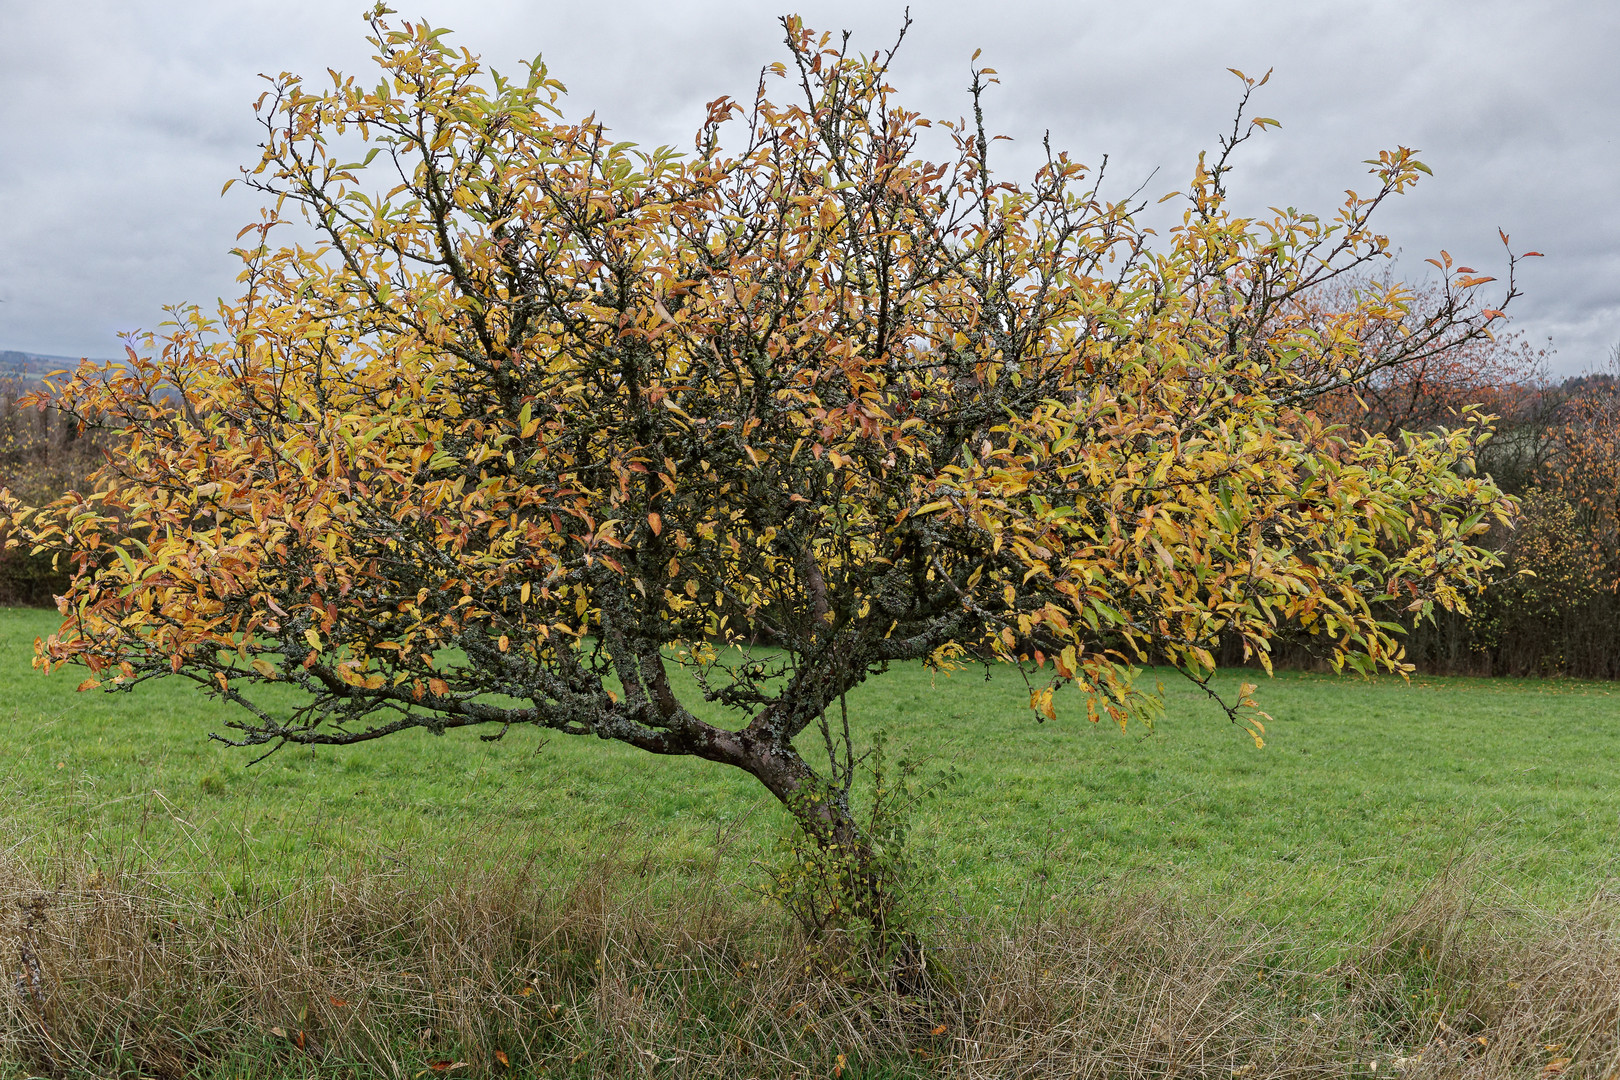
{"x":1554,"y":609}
{"x":42,"y":455}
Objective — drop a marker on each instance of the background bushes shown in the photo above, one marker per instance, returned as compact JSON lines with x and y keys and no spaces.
{"x":1554,"y":608}
{"x":42,"y":455}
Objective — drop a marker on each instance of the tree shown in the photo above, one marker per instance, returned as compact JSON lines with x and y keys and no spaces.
{"x":540,"y":421}
{"x":1443,"y":367}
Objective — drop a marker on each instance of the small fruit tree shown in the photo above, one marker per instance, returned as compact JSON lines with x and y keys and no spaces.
{"x":542,"y":429}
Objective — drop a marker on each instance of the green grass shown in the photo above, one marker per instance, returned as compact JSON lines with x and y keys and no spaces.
{"x":1363,"y":792}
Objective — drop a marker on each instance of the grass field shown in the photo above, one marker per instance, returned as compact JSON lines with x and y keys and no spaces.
{"x":1362,"y":793}
{"x":1115,"y":905}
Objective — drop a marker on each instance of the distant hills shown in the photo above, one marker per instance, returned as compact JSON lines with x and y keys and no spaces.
{"x":32,"y":366}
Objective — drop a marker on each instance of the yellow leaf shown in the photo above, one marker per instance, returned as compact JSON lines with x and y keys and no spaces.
{"x":313,"y":638}
{"x":264,"y":667}
{"x":504,"y":644}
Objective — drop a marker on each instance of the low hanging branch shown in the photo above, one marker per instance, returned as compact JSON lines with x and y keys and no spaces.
{"x":544,"y":418}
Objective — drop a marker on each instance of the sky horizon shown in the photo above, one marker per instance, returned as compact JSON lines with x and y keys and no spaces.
{"x":122,"y":122}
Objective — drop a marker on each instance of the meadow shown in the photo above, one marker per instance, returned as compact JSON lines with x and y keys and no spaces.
{"x":1311,"y":848}
{"x":1363,"y":792}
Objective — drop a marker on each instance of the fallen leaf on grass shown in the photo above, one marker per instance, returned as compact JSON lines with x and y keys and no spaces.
{"x":500,"y":1056}
{"x":337,"y":1002}
{"x":442,"y":1066}
{"x":298,"y":1038}
{"x":938,"y":1031}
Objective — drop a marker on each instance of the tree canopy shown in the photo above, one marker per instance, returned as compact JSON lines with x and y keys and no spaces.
{"x":538,"y":419}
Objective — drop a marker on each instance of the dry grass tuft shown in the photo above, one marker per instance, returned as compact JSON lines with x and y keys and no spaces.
{"x":448,"y":968}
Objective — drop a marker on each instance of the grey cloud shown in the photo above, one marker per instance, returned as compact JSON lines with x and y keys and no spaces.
{"x":122,"y":119}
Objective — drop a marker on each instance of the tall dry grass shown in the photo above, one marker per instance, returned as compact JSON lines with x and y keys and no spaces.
{"x":446,"y":968}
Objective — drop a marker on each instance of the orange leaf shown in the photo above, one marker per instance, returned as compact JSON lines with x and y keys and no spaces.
{"x":88,"y":684}
{"x":938,"y":1031}
{"x":655,"y":523}
{"x":500,"y":1056}
{"x":337,"y":1002}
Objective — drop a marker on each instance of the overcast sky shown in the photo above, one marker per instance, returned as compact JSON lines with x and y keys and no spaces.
{"x":121,"y":119}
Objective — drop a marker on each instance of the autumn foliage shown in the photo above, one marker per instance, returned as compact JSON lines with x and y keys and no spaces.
{"x":1553,"y":606}
{"x":541,"y":418}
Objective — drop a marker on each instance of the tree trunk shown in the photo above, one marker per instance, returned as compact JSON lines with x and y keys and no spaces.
{"x":823,"y":815}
